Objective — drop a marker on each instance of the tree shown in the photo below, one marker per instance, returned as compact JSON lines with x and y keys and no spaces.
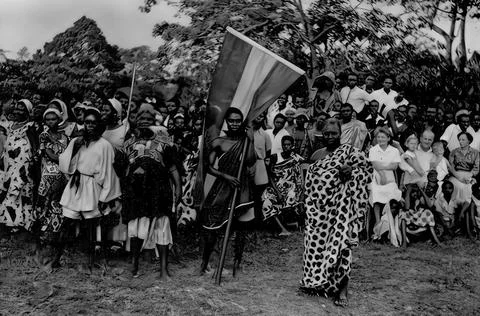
{"x":76,"y":60}
{"x":312,"y":37}
{"x":23,"y":54}
{"x":433,"y":13}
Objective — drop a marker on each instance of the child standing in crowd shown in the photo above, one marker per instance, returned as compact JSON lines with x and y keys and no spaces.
{"x":410,"y":162}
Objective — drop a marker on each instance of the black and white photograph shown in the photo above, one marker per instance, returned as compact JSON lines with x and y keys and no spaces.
{"x":239,"y":157}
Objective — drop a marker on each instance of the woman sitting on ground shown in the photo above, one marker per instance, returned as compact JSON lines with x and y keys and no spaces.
{"x":285,"y":191}
{"x":417,"y":216}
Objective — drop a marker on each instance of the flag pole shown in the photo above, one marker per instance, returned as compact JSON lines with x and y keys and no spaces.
{"x":130,"y":96}
{"x":221,"y":262}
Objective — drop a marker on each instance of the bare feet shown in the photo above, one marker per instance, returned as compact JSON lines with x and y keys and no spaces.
{"x":204,"y":269}
{"x":165,"y":276}
{"x":342,"y":299}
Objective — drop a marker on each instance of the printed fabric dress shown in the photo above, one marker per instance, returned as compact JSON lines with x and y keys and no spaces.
{"x":287,"y":176}
{"x":52,"y":184}
{"x":148,"y":196}
{"x":335,"y":212}
{"x":419,"y":218}
{"x":17,"y":184}
{"x":185,"y":208}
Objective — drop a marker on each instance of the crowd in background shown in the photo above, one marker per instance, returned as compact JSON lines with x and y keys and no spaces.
{"x":107,"y":170}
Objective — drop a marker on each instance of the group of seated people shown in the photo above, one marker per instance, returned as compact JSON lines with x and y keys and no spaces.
{"x":425,"y":165}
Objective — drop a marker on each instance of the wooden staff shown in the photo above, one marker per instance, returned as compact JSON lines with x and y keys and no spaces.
{"x":130,"y":96}
{"x":221,"y":262}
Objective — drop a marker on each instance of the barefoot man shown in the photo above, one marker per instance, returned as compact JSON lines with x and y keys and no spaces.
{"x":228,"y":149}
{"x":336,"y":190}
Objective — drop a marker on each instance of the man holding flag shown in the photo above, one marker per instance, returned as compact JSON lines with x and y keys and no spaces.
{"x":228,"y":149}
{"x":247,"y":80}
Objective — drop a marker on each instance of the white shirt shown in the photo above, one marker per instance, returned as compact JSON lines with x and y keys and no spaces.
{"x":262,"y":143}
{"x":385,"y":157}
{"x":424,"y":158}
{"x":476,"y":141}
{"x":356,"y":97}
{"x":277,"y":140}
{"x":451,"y":133}
{"x":442,"y":169}
{"x":382,"y":97}
{"x":387,"y":107}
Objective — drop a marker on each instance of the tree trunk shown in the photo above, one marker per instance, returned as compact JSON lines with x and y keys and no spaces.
{"x":462,"y":47}
{"x":449,"y":40}
{"x":450,"y":36}
{"x":313,"y":70}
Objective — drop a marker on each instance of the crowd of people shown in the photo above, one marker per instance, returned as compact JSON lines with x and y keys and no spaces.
{"x":343,"y":160}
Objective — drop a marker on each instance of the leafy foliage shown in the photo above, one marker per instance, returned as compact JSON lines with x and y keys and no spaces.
{"x":77,"y":60}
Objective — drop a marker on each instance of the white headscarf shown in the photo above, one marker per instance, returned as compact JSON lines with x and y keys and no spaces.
{"x":57,"y":112}
{"x":28,"y":105}
{"x":64,"y":111}
{"x":117,"y":106}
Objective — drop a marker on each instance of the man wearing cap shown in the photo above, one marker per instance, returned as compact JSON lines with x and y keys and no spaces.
{"x":354,"y":131}
{"x":452,"y":131}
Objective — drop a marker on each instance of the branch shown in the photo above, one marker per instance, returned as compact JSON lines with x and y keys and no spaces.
{"x":325,"y":31}
{"x":251,"y":28}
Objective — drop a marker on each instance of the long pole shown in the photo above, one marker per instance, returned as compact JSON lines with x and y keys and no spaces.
{"x":218,"y":275}
{"x":130,"y":96}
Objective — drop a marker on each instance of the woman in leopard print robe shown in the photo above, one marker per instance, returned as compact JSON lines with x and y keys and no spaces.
{"x":336,"y":199}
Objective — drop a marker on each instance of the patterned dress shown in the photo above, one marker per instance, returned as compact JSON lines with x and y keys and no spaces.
{"x":16,"y":185}
{"x":335,"y":211}
{"x":287,"y":176}
{"x":185,"y":208}
{"x":418,"y":218}
{"x":52,"y":184}
{"x":148,"y":197}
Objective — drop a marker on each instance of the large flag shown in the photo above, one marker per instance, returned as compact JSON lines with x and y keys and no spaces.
{"x":247,"y":76}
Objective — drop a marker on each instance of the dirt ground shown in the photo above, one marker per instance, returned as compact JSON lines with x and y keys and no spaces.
{"x":421,"y":280}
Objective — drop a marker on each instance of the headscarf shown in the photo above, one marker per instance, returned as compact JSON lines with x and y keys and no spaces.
{"x":146,"y":110}
{"x":179,"y":115}
{"x":28,"y":105}
{"x":55,"y":111}
{"x":117,"y":106}
{"x":64,"y":110}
